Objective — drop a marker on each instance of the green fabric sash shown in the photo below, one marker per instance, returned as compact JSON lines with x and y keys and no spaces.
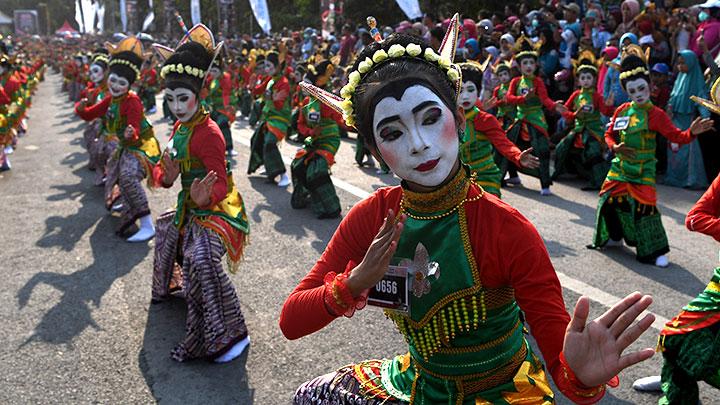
{"x":114,"y":125}
{"x":709,"y":299}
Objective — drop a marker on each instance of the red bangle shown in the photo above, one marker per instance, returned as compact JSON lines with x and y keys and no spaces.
{"x":338,"y":297}
{"x":575,"y":390}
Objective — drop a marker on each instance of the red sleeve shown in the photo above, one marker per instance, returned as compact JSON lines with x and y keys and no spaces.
{"x":304,"y":311}
{"x":153,"y":77}
{"x":260,"y":88}
{"x":570,"y":105}
{"x":489,"y":125}
{"x":302,"y":126}
{"x":703,"y":217}
{"x":599,"y":102}
{"x":329,"y":112}
{"x":658,"y":121}
{"x":609,"y":132}
{"x":282,"y":86}
{"x":132,"y":109}
{"x":208,"y":145}
{"x":4,"y":99}
{"x":92,"y":112}
{"x":541,"y":91}
{"x":226,"y":86}
{"x":510,"y":97}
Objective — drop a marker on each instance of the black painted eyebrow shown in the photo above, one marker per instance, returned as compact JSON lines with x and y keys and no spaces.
{"x":417,"y":108}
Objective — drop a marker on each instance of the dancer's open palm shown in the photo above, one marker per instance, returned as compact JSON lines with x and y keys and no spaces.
{"x":201,"y":190}
{"x":594,"y":350}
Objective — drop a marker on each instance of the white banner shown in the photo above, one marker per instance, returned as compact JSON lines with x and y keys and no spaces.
{"x":150,"y":17}
{"x":411,"y":8}
{"x":79,"y":17}
{"x":100,"y":11}
{"x":88,"y":12}
{"x":260,"y":9}
{"x":195,"y":15}
{"x":123,"y":15}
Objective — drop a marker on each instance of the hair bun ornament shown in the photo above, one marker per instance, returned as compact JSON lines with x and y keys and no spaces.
{"x":443,"y":59}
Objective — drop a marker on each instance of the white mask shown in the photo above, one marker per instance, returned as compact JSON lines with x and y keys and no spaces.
{"x":468,"y":95}
{"x":97,"y":74}
{"x":2,"y":70}
{"x":214,"y":72}
{"x":417,"y":136}
{"x":586,"y":80}
{"x":182,"y":103}
{"x":528,"y":66}
{"x":504,"y":76}
{"x":638,"y":90}
{"x":117,"y":85}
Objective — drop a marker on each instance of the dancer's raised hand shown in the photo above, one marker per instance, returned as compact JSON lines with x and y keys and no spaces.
{"x":201,"y":190}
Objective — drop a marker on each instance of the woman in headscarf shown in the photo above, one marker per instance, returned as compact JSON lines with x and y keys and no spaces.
{"x":608,"y":54}
{"x":685,"y":163}
{"x":507,"y":43}
{"x":630,"y":9}
{"x":612,"y":84}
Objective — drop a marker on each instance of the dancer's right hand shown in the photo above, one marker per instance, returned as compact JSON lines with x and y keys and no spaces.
{"x":171,"y":168}
{"x":377,"y":259}
{"x":622,"y":149}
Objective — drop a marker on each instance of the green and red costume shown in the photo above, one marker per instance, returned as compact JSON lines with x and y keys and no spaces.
{"x":584,"y":146}
{"x":272,"y":126}
{"x":627,"y":207}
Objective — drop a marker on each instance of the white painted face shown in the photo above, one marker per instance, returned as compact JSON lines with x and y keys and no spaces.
{"x":97,"y":74}
{"x":417,"y":136}
{"x":586,"y":80}
{"x":504,"y":76}
{"x":468,"y":95}
{"x":2,"y":70}
{"x":638,"y":90}
{"x":214,"y":72}
{"x":182,"y":102}
{"x":118,"y":85}
{"x":528,"y":66}
{"x":270,"y":68}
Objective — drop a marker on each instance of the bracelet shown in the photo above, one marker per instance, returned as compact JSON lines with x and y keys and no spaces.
{"x":338,"y":298}
{"x":576,"y":390}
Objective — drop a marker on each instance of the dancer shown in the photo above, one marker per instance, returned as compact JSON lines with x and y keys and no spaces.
{"x":137,"y":149}
{"x":627,"y":207}
{"x":273,"y":124}
{"x":317,"y":125}
{"x":96,"y":92}
{"x":220,"y":102}
{"x":584,"y":146}
{"x":483,"y":132}
{"x":210,"y":219}
{"x":530,"y":128}
{"x":465,"y":338}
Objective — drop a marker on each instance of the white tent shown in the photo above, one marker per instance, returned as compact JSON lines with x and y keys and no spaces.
{"x":5,"y":20}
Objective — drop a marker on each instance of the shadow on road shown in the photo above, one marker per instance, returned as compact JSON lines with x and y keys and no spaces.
{"x":194,"y":382}
{"x":585,"y":214}
{"x":295,"y":223}
{"x":73,"y":314}
{"x":674,"y":277}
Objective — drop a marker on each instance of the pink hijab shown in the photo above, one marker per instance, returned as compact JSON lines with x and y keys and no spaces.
{"x":610,"y":53}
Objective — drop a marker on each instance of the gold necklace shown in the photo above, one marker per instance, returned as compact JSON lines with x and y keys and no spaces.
{"x":452,"y":210}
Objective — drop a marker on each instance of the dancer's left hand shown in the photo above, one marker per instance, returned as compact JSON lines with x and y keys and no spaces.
{"x":701,"y":125}
{"x":129,"y":132}
{"x":560,"y":108}
{"x":529,"y":161}
{"x":594,"y":351}
{"x":201,"y":190}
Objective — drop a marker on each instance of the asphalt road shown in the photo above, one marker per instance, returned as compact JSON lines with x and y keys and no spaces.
{"x":78,"y":326}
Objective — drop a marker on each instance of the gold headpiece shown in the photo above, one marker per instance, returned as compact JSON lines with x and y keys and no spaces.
{"x":713,"y":105}
{"x":524,"y":46}
{"x":586,"y":60}
{"x":635,"y":50}
{"x":444,"y":59}
{"x":198,"y":33}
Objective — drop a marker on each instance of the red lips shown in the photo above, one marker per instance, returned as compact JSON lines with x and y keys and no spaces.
{"x":429,"y":165}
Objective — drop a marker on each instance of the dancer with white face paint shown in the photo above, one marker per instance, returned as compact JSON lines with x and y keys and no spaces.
{"x":627,"y":209}
{"x":460,"y":319}
{"x":530,"y":128}
{"x":483,"y":133}
{"x":584,"y":147}
{"x":125,"y":125}
{"x":210,"y":220}
{"x":94,"y":93}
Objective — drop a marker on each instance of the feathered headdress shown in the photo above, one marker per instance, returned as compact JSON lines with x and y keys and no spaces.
{"x":443,"y":59}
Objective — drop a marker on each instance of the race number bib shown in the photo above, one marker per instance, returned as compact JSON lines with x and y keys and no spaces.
{"x":314,"y":117}
{"x":587,"y":108}
{"x":392,"y":292}
{"x":621,"y":123}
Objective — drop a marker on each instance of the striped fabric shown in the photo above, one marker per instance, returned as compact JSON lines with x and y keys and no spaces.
{"x":127,"y":171}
